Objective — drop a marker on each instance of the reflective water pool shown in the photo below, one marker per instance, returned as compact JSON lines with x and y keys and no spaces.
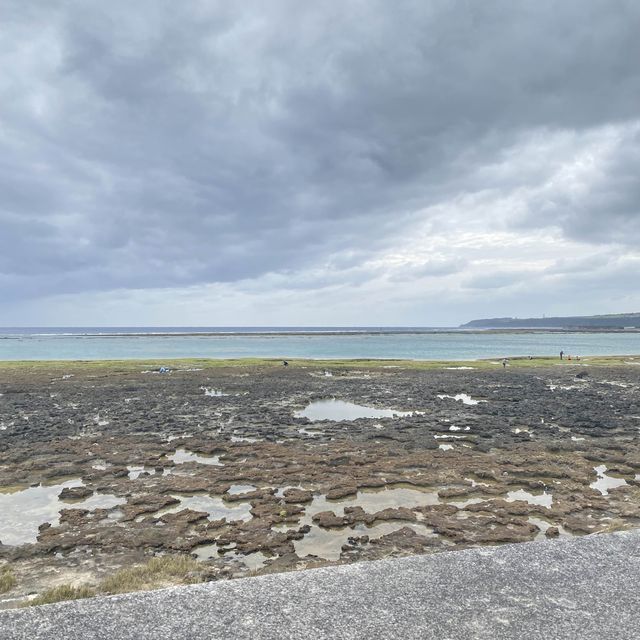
{"x":327,"y":543}
{"x":340,"y":410}
{"x":465,"y":398}
{"x":543,"y":499}
{"x":372,"y":500}
{"x":605,"y":482}
{"x":215,"y":506}
{"x":252,"y":561}
{"x":183,"y":455}
{"x":23,"y":510}
{"x":237,"y":489}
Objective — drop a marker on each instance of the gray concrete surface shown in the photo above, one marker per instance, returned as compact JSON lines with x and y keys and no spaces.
{"x":583,"y":588}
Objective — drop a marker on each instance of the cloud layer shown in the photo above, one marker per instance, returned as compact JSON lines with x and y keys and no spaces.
{"x":292,"y":152}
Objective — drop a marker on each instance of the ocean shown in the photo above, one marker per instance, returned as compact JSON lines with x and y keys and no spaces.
{"x":106,"y":343}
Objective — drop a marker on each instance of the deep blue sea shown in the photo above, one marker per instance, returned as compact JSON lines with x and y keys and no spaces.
{"x":68,"y":343}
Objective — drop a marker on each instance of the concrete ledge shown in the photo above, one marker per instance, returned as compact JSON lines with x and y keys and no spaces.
{"x":581,"y":588}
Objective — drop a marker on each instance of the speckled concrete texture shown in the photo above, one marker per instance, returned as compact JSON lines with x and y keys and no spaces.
{"x":583,"y":588}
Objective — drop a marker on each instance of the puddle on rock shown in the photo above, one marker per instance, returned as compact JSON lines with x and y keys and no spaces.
{"x":543,"y":525}
{"x":252,"y":561}
{"x":462,"y":504}
{"x":566,"y":387}
{"x":14,"y":488}
{"x":543,"y":499}
{"x":183,"y":455}
{"x":206,"y":551}
{"x":237,"y":489}
{"x":307,"y":432}
{"x":114,"y":515}
{"x":475,"y":483}
{"x":213,"y":393}
{"x":615,"y":383}
{"x":327,"y":543}
{"x":280,"y":492}
{"x":216,"y":507}
{"x":372,"y":500}
{"x":185,"y":435}
{"x":95,"y":501}
{"x":339,"y":410}
{"x":243,"y":439}
{"x":321,"y":542}
{"x":136,"y":471}
{"x":213,"y":550}
{"x":285,"y":526}
{"x":23,"y":511}
{"x":605,"y":482}
{"x":464,"y":397}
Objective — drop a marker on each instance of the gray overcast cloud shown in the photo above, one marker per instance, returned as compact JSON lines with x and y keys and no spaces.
{"x":418,"y":163}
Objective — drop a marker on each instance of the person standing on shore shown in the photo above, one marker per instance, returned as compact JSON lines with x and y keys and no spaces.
{"x":561,"y":355}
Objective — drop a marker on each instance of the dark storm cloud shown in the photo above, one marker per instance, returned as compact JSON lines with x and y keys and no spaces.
{"x":156,"y":144}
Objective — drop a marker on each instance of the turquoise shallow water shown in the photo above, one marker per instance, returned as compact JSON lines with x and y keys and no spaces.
{"x":99,"y":345}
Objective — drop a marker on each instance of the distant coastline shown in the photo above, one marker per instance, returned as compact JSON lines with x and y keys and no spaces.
{"x":610,"y":322}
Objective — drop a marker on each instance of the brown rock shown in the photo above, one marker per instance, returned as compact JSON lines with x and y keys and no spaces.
{"x":335,"y":493}
{"x":75,"y":493}
{"x":73,"y":516}
{"x":400,"y":513}
{"x":453,"y":492}
{"x":184,"y":517}
{"x":328,"y":519}
{"x":297,"y":496}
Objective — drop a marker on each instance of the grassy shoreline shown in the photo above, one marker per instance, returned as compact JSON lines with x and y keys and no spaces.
{"x":126,"y":366}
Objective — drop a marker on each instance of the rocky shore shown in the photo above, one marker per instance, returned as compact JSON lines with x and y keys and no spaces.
{"x":105,"y":467}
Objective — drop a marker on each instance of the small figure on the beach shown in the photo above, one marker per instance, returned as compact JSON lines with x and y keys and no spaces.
{"x":561,"y":355}
{"x":504,"y":363}
{"x":285,"y":363}
{"x":163,"y":370}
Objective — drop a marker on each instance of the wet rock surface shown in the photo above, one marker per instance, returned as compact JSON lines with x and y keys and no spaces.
{"x":268,"y":491}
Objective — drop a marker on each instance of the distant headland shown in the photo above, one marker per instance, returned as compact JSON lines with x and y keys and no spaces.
{"x":618,"y":321}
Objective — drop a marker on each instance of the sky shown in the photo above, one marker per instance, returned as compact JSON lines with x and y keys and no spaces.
{"x":351,"y":162}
